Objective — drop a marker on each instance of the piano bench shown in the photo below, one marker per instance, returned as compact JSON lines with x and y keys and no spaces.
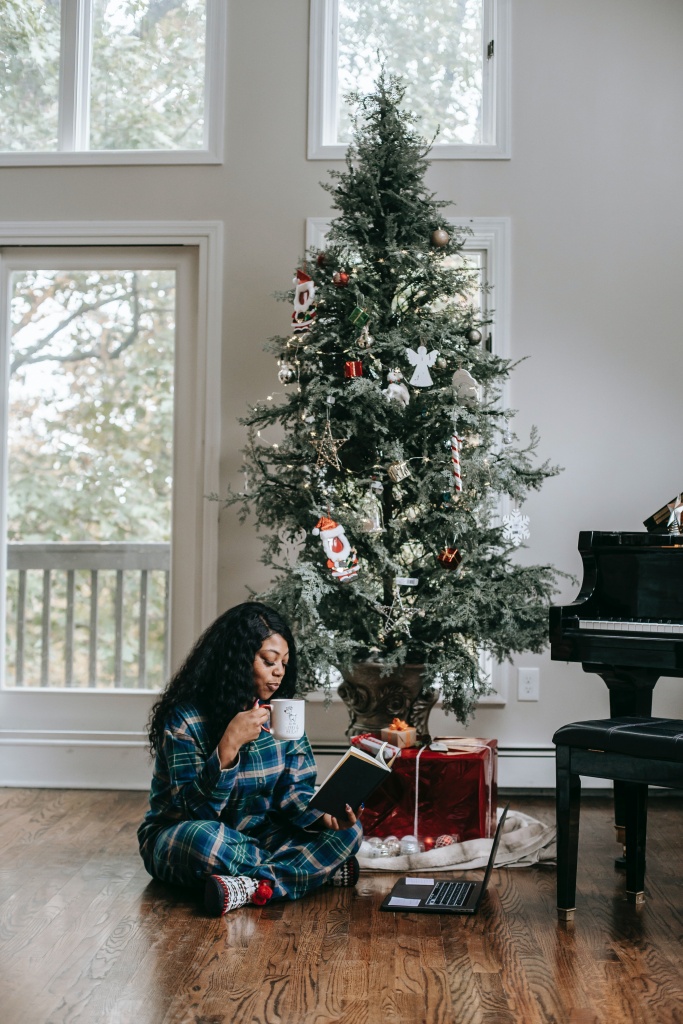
{"x":635,"y":752}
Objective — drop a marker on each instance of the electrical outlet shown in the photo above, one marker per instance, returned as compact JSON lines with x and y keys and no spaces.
{"x":528,"y":683}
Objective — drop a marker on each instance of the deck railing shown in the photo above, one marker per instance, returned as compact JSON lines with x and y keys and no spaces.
{"x":101,"y":610}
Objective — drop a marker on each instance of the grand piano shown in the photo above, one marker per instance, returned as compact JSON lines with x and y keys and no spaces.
{"x":626,"y":624}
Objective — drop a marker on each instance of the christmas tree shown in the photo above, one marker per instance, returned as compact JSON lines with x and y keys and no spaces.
{"x":389,"y":443}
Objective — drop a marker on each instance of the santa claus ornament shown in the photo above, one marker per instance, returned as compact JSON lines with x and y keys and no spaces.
{"x":304,"y":308}
{"x":342,"y":560}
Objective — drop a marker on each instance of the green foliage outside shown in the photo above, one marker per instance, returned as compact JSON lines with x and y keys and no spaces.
{"x":90,"y":450}
{"x":382,"y":238}
{"x":146,"y":82}
{"x":436,"y":45}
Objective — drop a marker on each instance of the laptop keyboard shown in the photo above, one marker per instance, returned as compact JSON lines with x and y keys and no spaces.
{"x":449,"y":894}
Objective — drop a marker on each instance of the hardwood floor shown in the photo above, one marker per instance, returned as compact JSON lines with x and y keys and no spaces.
{"x":86,"y":936}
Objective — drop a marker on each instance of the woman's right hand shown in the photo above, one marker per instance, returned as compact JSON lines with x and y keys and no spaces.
{"x":243,"y":728}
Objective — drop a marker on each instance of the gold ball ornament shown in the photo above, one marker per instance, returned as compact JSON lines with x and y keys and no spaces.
{"x":440,"y":238}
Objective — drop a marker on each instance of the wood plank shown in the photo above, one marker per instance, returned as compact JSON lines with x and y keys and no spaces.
{"x":86,"y":936}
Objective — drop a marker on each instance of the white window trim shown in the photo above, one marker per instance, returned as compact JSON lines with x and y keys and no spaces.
{"x":73,"y":119}
{"x":322,"y":87}
{"x":493,"y":235}
{"x":200,"y":559}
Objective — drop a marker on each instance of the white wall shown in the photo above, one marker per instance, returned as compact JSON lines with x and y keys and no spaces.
{"x":594,"y":196}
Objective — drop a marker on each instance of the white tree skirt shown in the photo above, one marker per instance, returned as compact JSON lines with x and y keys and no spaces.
{"x":525,"y":841}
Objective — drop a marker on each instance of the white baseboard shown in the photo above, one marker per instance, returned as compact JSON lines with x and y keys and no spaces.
{"x":51,"y":759}
{"x":58,"y":759}
{"x":530,"y":767}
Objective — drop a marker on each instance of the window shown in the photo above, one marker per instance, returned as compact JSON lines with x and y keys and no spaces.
{"x":111,"y":81}
{"x":90,"y":422}
{"x":452,"y":54}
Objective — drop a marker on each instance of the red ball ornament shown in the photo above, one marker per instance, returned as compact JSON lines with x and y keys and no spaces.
{"x":340,"y":279}
{"x":444,"y":841}
{"x":321,"y":259}
{"x":353,"y":368}
{"x":429,"y":842}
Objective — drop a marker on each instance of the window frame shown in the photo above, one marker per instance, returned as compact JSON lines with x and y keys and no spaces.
{"x":73,"y":104}
{"x":322,"y":87}
{"x":491,"y":235}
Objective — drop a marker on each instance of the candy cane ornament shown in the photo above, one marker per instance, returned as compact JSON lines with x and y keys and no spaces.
{"x":456,"y":448}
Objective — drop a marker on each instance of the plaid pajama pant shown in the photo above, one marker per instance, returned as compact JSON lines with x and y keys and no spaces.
{"x":248,"y":820}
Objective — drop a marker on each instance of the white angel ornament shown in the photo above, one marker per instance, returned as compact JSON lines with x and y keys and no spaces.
{"x":421,"y":360}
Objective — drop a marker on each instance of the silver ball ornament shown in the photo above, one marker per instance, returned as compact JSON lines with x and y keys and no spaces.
{"x":286,"y":373}
{"x":474,"y":336}
{"x":440,"y":238}
{"x":442,"y":363}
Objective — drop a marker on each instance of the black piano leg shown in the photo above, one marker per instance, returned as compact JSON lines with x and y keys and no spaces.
{"x":636,"y":837}
{"x":630,"y":693}
{"x":568,"y":805}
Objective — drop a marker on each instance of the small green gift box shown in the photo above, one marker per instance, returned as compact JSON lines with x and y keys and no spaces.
{"x":359,"y":317}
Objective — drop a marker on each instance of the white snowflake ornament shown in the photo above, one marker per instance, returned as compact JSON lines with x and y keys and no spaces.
{"x":516,"y":527}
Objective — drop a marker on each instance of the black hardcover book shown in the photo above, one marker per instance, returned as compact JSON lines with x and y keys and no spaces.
{"x":351,"y":781}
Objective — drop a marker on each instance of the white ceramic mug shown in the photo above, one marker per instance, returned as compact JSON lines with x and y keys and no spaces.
{"x":287,"y":718}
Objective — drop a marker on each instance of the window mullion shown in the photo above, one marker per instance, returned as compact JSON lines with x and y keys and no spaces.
{"x":74,"y":79}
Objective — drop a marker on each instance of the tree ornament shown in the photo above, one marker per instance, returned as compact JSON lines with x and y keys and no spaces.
{"x":507,"y":437}
{"x":359,"y":316}
{"x":442,"y":841}
{"x":442,"y":363}
{"x":516,"y":527}
{"x":353,"y":368}
{"x":327,"y":448}
{"x":321,"y":259}
{"x":342,"y":560}
{"x":466,"y":387}
{"x":304,"y":313}
{"x":340,"y":279}
{"x":421,"y":360}
{"x":456,"y":448}
{"x":291,"y":544}
{"x":474,"y":336}
{"x":395,"y":391}
{"x":365,"y":339}
{"x":450,"y":558}
{"x":440,"y":238}
{"x":398,"y":471}
{"x":370,"y":512}
{"x":286,"y":373}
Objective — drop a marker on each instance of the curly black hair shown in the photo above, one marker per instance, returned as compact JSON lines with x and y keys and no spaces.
{"x":217,"y":677}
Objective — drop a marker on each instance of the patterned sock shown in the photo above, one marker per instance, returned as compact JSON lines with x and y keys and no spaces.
{"x":228,"y":892}
{"x":346,"y":874}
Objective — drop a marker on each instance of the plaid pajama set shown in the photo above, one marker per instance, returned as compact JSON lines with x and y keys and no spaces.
{"x":247,"y":820}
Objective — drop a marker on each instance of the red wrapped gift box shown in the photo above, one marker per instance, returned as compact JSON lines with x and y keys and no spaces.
{"x":456,"y":793}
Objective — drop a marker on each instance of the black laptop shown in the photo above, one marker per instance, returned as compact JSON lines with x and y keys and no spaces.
{"x":448,"y":895}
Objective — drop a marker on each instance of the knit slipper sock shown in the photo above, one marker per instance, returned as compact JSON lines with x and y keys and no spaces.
{"x":228,"y":892}
{"x":346,"y":874}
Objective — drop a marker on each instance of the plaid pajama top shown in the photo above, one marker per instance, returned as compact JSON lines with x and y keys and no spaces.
{"x":269,"y":787}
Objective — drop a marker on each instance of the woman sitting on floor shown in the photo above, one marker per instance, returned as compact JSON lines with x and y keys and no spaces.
{"x":228,"y":801}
